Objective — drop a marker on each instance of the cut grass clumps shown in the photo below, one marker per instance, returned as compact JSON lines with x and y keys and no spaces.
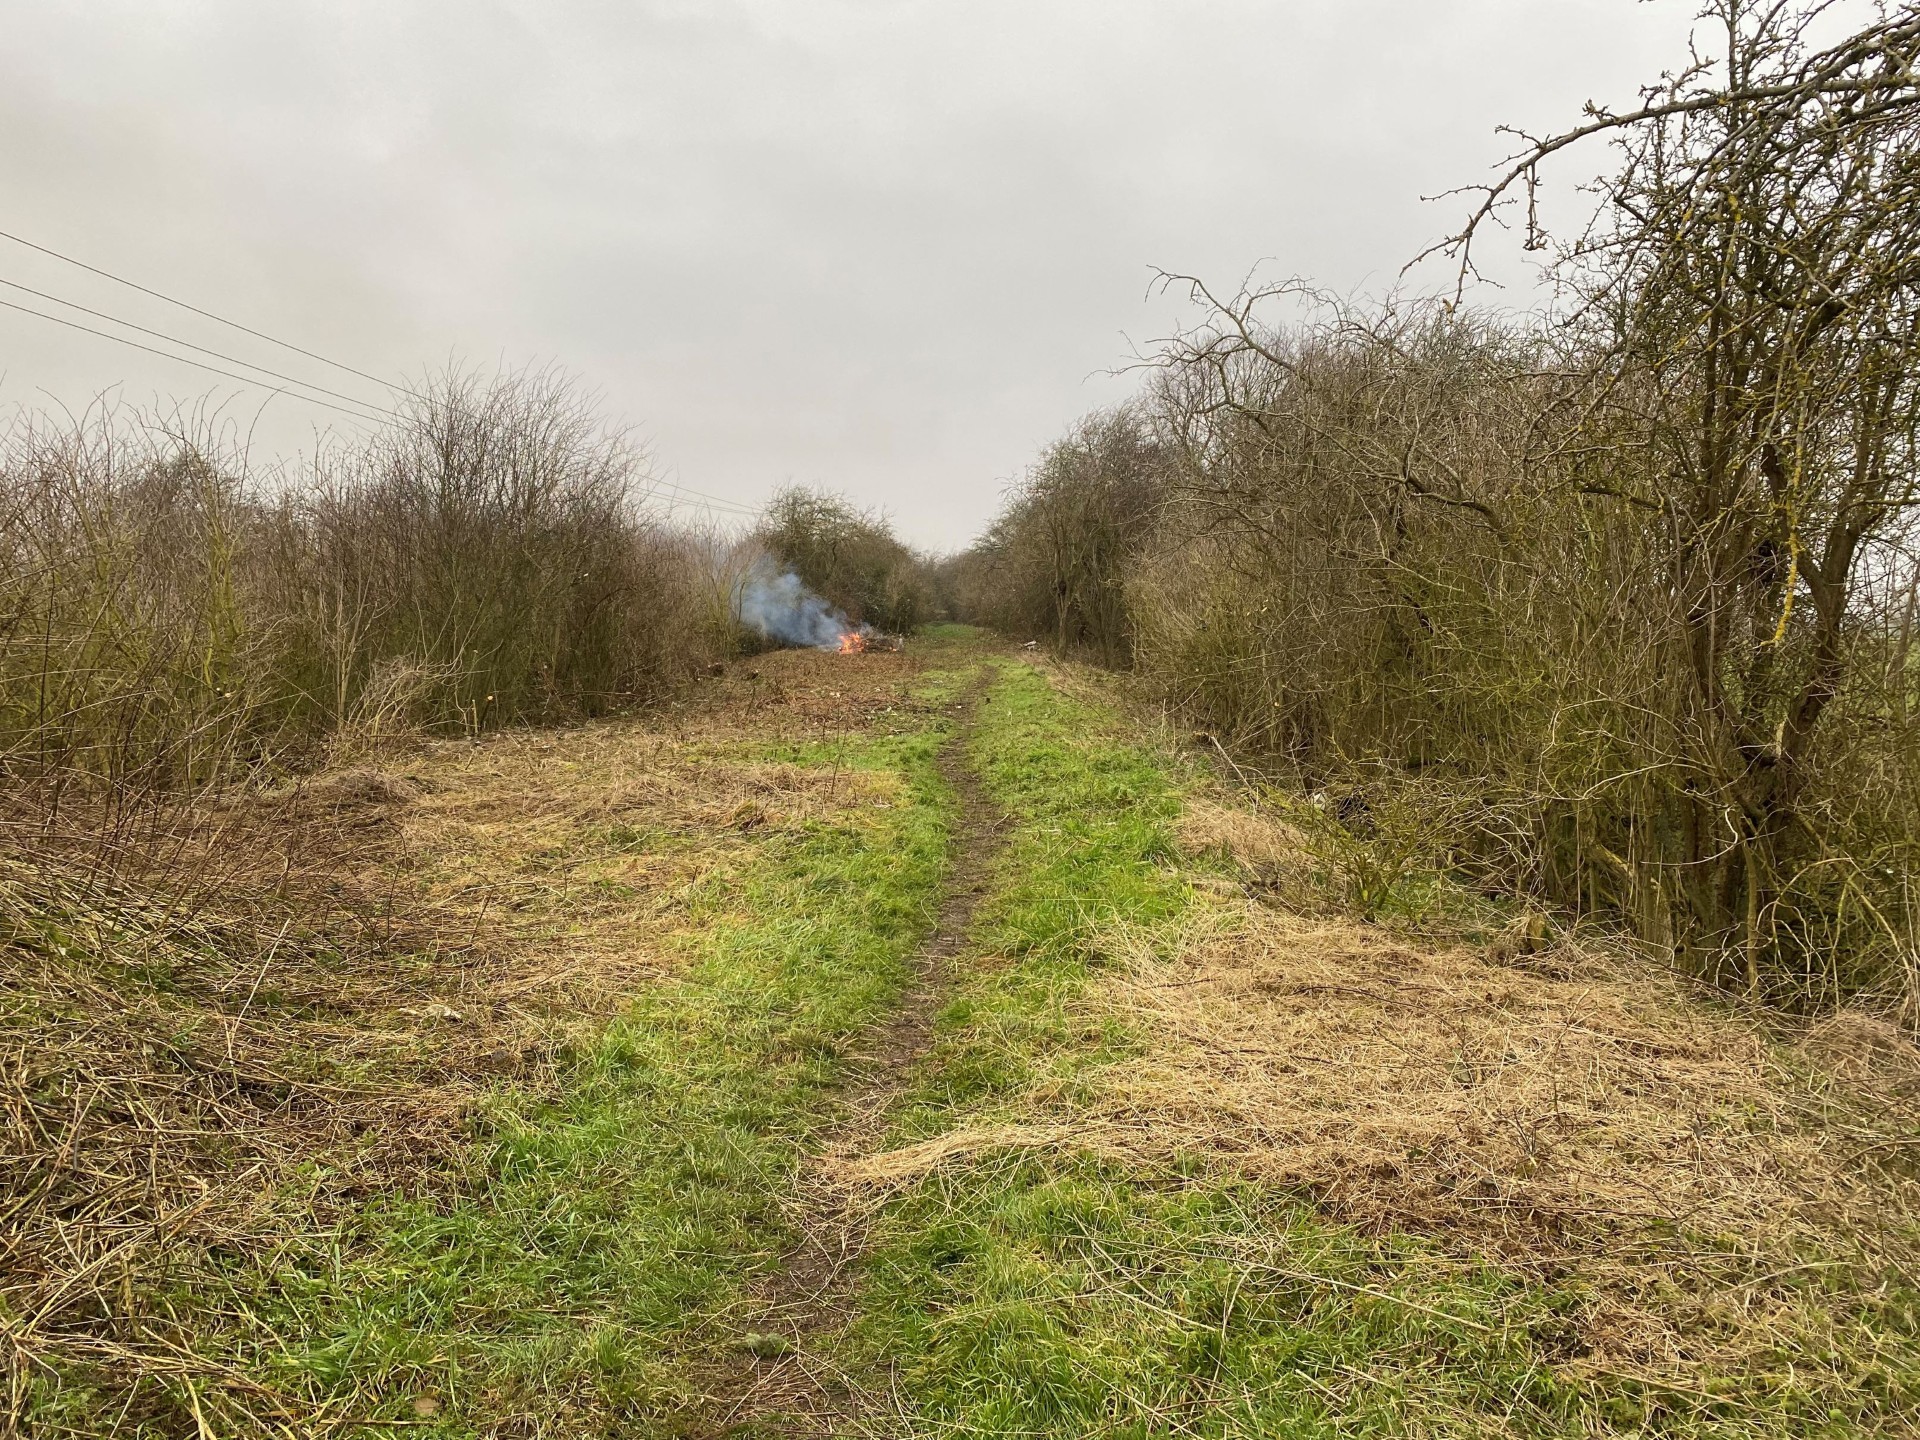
{"x":603,"y":1233}
{"x":180,"y":1078}
{"x":1085,"y":1230}
{"x":493,"y":1149}
{"x":1062,"y":1296}
{"x":1728,"y":1203}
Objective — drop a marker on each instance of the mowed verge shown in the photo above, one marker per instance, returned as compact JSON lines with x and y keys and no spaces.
{"x":484,"y":1098}
{"x":487,"y":1142}
{"x":1182,"y":1162}
{"x":790,"y":1373}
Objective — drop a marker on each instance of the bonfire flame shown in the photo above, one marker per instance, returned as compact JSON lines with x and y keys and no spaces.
{"x":853,"y":643}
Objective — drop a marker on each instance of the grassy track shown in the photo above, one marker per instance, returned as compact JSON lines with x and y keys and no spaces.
{"x":590,"y":1267}
{"x":1043,"y":1291}
{"x":598,"y":1239}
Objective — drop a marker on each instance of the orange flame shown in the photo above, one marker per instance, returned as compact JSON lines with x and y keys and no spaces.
{"x":853,"y":643}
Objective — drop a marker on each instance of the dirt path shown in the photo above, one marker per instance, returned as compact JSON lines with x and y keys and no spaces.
{"x":784,"y":1384}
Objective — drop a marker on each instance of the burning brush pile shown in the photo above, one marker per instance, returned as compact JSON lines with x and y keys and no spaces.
{"x":778,"y":606}
{"x":866,"y":641}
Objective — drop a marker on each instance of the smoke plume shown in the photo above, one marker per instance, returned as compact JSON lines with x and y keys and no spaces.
{"x":781,"y":607}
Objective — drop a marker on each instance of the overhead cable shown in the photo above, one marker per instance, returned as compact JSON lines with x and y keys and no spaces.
{"x":184,"y":360}
{"x":176,"y":340}
{"x":208,"y":314}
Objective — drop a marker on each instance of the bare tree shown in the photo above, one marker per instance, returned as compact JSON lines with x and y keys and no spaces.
{"x":1750,"y":294}
{"x":1628,"y":589}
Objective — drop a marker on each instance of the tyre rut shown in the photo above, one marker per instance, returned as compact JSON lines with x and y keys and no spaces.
{"x":782,"y":1382}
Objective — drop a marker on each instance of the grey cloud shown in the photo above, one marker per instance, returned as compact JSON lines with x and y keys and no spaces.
{"x":888,"y":247}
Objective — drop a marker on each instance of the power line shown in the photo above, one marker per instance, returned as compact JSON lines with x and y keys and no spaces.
{"x":677,"y":494}
{"x":197,"y":364}
{"x":691,"y":497}
{"x":711,"y":501}
{"x":208,"y":314}
{"x":176,"y":340}
{"x":674,"y":499}
{"x":701,"y":500}
{"x":717,"y":499}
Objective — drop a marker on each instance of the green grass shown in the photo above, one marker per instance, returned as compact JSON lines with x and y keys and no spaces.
{"x":585,"y":1267}
{"x":593,"y":1243}
{"x":1090,"y":851}
{"x":1041,"y":1292}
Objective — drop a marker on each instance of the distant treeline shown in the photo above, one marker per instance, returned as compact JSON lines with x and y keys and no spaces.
{"x":1613,"y":608}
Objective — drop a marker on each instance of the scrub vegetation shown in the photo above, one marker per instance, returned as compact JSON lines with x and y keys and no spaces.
{"x":555,"y":1083}
{"x":1610,"y":607}
{"x":171,"y":615}
{"x":1405,"y":931}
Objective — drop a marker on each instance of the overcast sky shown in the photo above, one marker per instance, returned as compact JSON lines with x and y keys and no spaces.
{"x":886,"y":246}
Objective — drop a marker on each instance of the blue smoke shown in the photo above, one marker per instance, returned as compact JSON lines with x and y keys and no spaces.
{"x":778,"y":605}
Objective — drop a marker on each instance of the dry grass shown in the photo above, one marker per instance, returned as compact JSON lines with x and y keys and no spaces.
{"x":586,"y":845}
{"x":168,"y":1063}
{"x":275,"y":1005}
{"x":1266,"y":855}
{"x":1573,"y":1112}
